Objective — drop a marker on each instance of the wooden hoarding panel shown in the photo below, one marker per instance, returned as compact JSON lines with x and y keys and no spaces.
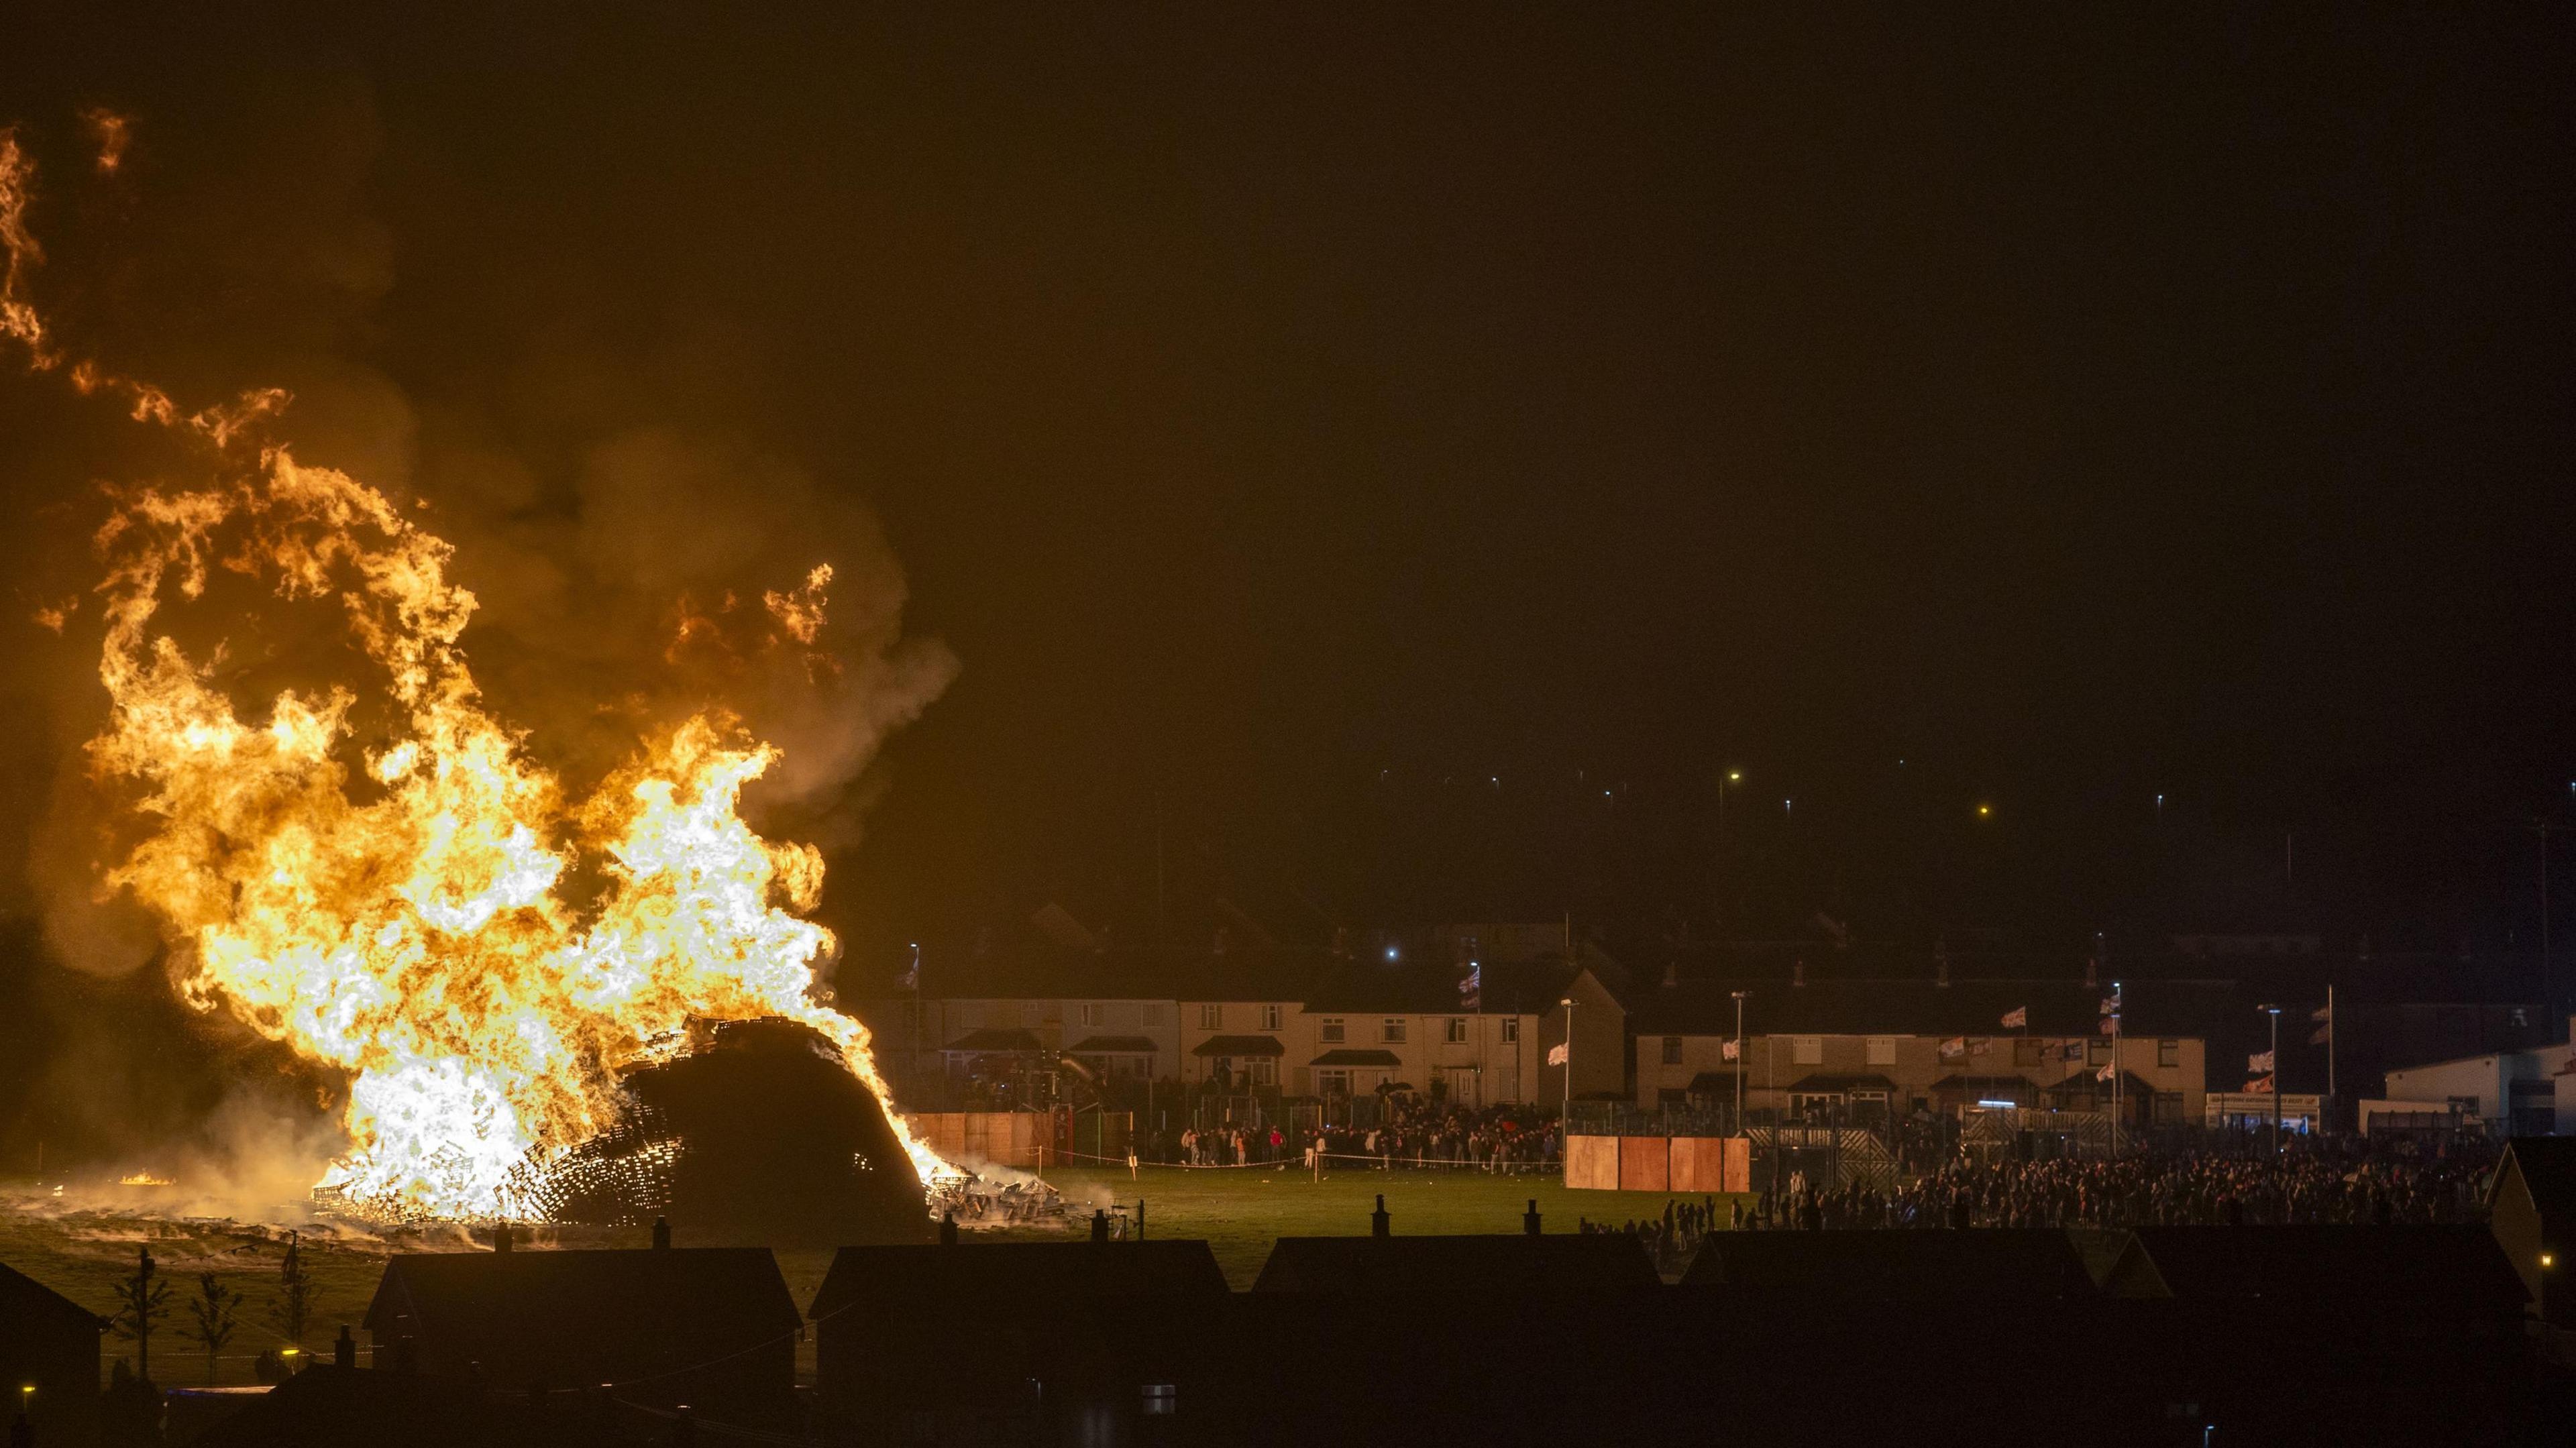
{"x":1592,"y":1163}
{"x":1645,"y":1163}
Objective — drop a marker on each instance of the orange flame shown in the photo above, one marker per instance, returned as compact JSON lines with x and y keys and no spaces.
{"x":111,"y":134}
{"x":374,"y":873}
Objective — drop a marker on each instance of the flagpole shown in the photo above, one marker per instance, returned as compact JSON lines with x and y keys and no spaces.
{"x":2276,"y":1081}
{"x":2117,"y":1004}
{"x":2330,"y":1042}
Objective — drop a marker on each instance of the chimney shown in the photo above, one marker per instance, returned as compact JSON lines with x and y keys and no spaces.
{"x":344,"y":1350}
{"x":1529,"y":1219}
{"x":661,"y":1234}
{"x":1099,"y":1225}
{"x":1377,"y":1219}
{"x":501,"y":1238}
{"x":948,"y":1229}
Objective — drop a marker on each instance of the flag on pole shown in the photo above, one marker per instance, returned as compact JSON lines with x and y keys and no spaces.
{"x":1556,"y":1054}
{"x":1980,"y":1046}
{"x":2321,"y":1035}
{"x":2017,"y":1019}
{"x":2110,"y":1005}
{"x":2262,"y":1087}
{"x":1954,"y":1047}
{"x":912,"y":977}
{"x":2110,"y":1025}
{"x":1471,"y":991}
{"x":2322,"y":1013}
{"x":2259,"y":1061}
{"x":2071,"y":1051}
{"x":1731,"y":1050}
{"x":2105,"y":1073}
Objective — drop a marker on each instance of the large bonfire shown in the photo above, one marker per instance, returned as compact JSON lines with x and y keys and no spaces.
{"x":375,"y":872}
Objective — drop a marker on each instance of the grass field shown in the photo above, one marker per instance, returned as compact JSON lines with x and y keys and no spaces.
{"x":1239,"y":1212}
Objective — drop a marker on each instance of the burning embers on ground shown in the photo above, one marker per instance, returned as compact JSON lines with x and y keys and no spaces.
{"x":373,"y":869}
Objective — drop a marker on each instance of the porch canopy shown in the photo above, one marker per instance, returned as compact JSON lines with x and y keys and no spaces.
{"x":1113,"y":1046}
{"x":1357,"y":1058}
{"x":993,"y":1040}
{"x":1254,"y":1046}
{"x":2017,"y":1089}
{"x":1841,"y":1085}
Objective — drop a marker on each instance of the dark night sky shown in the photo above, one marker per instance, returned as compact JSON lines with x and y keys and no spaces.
{"x":2076,"y":407}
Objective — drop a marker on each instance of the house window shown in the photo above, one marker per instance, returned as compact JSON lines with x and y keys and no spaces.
{"x":1153,"y":1015}
{"x":1456,"y":1031}
{"x":1333,"y":1034}
{"x":1162,"y":1400}
{"x":1391,"y":1030}
{"x":1269,"y":1018}
{"x":1265,"y":1071}
{"x":1672,"y":1050}
{"x":1211,"y":1017}
{"x":1511,"y":1030}
{"x":1881,"y":1051}
{"x":1807,"y":1050}
{"x":1028,"y":1014}
{"x":1089,"y":1013}
{"x":2168,"y":1053}
{"x":1332,"y":1083}
{"x":2098,"y":1050}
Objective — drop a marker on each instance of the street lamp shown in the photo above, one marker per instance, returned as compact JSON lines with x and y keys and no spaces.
{"x":1736,"y":776}
{"x":1739,"y":1058}
{"x":2275,"y":1013}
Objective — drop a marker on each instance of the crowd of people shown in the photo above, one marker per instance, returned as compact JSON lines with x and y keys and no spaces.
{"x":1672,"y":1238}
{"x":1415,"y":1131}
{"x":1409,"y":1130}
{"x":2311,"y":1185}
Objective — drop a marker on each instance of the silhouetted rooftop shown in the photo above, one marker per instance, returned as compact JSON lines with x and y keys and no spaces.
{"x":585,"y":1317}
{"x":1982,"y":1264}
{"x":1560,"y":1264}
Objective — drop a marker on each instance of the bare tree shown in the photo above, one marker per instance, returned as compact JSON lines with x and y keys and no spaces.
{"x":214,"y":1309}
{"x":142,"y":1301}
{"x":294,"y":1308}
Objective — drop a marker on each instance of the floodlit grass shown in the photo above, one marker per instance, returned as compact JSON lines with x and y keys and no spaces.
{"x":1242,"y":1211}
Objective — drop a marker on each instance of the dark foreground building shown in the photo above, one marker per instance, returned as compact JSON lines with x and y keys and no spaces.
{"x":48,"y":1362}
{"x":712,"y":1327}
{"x":2331,"y":1334}
{"x":2533,"y":1211}
{"x":1013,"y":1342}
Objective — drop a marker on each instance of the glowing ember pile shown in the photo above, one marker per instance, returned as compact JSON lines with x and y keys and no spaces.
{"x":374,"y":871}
